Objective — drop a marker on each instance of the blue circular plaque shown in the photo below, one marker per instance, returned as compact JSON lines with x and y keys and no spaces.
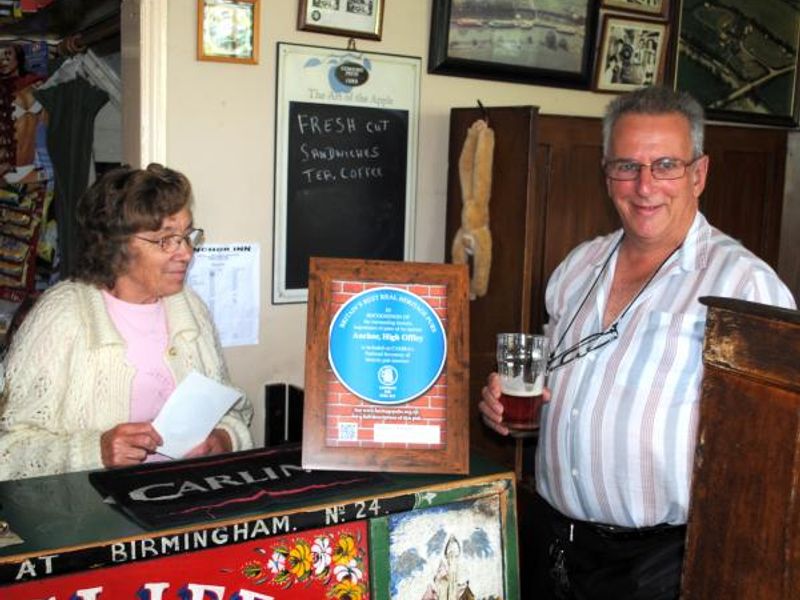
{"x":387,"y":345}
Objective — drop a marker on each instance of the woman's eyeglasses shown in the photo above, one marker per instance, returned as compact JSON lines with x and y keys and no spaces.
{"x":171,"y":243}
{"x":582,"y":348}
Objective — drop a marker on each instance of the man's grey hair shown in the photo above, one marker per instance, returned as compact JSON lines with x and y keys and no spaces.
{"x":656,"y":100}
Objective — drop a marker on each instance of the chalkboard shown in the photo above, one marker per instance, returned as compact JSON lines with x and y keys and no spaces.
{"x":346,"y":185}
{"x":346,"y":131}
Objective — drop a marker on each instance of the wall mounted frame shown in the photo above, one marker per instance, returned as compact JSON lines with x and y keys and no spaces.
{"x":741,"y":63}
{"x":351,"y":18}
{"x":387,"y":363}
{"x":491,"y":40}
{"x":345,"y":160}
{"x":631,"y":54}
{"x":653,"y":8}
{"x":228,"y":30}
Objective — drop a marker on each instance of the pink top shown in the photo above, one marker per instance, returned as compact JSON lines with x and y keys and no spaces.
{"x":144,"y":329}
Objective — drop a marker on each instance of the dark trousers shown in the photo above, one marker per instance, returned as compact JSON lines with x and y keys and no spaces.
{"x":576,"y":560}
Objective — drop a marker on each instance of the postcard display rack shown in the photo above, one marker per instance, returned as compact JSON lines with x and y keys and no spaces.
{"x":325,"y":535}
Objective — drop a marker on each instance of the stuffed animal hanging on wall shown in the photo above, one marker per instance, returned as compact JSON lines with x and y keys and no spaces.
{"x":473,"y":238}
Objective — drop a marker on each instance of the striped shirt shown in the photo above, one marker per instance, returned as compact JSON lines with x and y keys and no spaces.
{"x":618,"y":436}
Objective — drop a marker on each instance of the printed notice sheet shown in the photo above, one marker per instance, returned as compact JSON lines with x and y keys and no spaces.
{"x":226,"y":276}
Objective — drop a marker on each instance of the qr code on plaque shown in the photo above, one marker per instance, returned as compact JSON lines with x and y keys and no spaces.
{"x":348,"y":432}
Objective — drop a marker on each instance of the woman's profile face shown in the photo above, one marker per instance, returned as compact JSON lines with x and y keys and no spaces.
{"x":151,"y":272}
{"x":8,"y":61}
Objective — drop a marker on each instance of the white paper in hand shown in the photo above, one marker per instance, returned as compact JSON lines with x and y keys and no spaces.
{"x":191,"y":412}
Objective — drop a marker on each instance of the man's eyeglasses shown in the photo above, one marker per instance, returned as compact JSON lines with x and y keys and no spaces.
{"x":582,"y":348}
{"x":171,"y":243}
{"x":663,"y":168}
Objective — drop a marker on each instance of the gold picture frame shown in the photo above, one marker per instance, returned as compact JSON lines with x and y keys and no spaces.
{"x":351,"y":18}
{"x":367,"y":319}
{"x":228,"y":30}
{"x":632,"y":54}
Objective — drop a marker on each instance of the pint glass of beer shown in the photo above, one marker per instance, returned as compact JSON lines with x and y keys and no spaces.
{"x":521,"y":364}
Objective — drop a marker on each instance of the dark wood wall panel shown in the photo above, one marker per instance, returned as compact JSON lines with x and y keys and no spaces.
{"x":516,"y":226}
{"x":744,"y":194}
{"x":572,"y":190}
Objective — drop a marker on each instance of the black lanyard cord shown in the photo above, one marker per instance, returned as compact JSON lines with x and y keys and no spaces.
{"x":627,"y":306}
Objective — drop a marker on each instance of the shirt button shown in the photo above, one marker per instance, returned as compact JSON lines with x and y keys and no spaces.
{"x":574,"y":472}
{"x":173,"y":351}
{"x":574,"y":412}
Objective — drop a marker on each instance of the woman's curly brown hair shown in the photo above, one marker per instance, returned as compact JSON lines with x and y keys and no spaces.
{"x":122,"y":202}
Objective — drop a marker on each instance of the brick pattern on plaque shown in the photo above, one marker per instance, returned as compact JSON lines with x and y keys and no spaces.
{"x":428,"y":409}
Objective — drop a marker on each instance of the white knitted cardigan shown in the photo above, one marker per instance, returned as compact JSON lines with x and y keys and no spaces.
{"x":67,"y":379}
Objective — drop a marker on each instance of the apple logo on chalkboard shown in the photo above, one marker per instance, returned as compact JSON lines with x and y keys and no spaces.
{"x":345,"y":72}
{"x":351,"y":74}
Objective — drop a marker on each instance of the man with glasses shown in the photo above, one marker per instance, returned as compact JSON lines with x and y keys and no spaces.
{"x":617,"y":437}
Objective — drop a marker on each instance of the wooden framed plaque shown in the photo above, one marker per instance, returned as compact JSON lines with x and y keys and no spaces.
{"x":387,"y":367}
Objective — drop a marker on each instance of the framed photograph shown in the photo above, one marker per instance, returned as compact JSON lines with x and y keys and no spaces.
{"x":631,"y":54}
{"x":351,"y":18}
{"x":345,"y":160}
{"x":228,"y":30}
{"x":655,"y":8}
{"x":387,"y":367}
{"x":551,"y":43}
{"x":741,"y":61}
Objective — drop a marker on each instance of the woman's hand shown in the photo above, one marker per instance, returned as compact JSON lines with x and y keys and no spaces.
{"x":128,"y":444}
{"x":217,"y":442}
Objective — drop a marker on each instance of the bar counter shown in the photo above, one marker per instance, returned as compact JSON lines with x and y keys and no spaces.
{"x":288,"y":534}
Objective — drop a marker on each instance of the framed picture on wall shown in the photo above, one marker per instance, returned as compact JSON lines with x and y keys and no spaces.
{"x":741,"y":62}
{"x":228,"y":30}
{"x":514,"y":41}
{"x":351,"y":18}
{"x":655,"y":8}
{"x":631,"y":54}
{"x":387,"y":367}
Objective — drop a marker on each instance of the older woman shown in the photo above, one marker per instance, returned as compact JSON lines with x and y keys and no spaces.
{"x":98,"y":355}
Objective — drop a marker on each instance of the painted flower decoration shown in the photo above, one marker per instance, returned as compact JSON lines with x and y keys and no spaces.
{"x":277,"y":562}
{"x":347,"y":590}
{"x":252,"y":569}
{"x":321,"y":554}
{"x":350,"y":572}
{"x":346,"y":550}
{"x":338,"y":567}
{"x":300,"y":559}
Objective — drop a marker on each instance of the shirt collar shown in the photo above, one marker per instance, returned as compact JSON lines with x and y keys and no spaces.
{"x":607,"y":247}
{"x":692,"y":255}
